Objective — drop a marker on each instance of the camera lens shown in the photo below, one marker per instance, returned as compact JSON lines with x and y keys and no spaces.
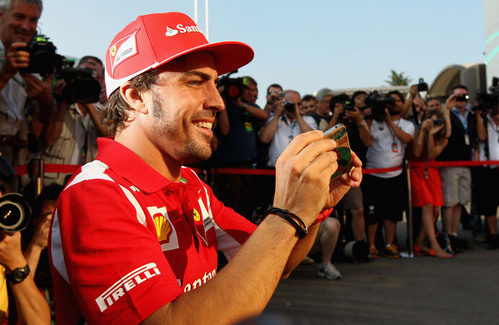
{"x":11,"y":215}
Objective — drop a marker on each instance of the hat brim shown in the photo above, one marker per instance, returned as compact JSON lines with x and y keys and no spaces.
{"x":229,"y":55}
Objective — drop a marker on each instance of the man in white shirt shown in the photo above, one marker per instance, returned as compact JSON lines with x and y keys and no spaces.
{"x":384,"y":192}
{"x":284,"y":125}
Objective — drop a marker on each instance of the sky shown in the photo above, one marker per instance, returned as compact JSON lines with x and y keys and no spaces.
{"x":302,"y":45}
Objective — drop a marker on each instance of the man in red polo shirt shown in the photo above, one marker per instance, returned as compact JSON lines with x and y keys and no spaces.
{"x":135,"y":234}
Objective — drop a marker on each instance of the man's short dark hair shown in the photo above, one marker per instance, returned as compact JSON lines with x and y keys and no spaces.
{"x":398,"y":93}
{"x":432,"y":98}
{"x":249,"y":80}
{"x":273,"y":86}
{"x":5,"y":5}
{"x":358,"y":93}
{"x":87,"y":58}
{"x":115,"y":115}
{"x":460,"y":87}
{"x":308,"y":97}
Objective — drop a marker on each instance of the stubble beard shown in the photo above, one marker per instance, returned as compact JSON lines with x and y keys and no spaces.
{"x":187,"y":152}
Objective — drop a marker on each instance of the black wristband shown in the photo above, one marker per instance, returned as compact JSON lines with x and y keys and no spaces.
{"x":301,"y":228}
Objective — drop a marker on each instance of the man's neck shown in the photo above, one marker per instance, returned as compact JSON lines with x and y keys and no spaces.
{"x":149,"y":153}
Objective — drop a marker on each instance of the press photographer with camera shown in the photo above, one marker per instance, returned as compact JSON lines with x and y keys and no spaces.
{"x":384,"y":193}
{"x":17,"y":268}
{"x":274,"y":97}
{"x":487,"y":177}
{"x":284,"y":125}
{"x":322,"y":114}
{"x":71,"y":135}
{"x":360,"y":139}
{"x":23,"y":96}
{"x":238,"y":126}
{"x":456,"y":181}
{"x":426,"y":189}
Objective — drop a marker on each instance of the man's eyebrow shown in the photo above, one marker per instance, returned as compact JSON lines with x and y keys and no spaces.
{"x":199,"y":74}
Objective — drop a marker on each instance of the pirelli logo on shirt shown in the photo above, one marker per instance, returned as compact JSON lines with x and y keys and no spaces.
{"x":125,"y":284}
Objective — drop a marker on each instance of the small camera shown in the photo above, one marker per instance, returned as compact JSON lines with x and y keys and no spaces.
{"x":290,"y":107}
{"x":463,"y":98}
{"x":15,"y":213}
{"x":422,"y":85}
{"x":438,"y":121}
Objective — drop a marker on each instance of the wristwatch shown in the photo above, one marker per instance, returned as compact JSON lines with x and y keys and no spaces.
{"x":18,"y":275}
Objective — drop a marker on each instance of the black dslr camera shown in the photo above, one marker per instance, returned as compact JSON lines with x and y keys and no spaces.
{"x":232,"y":87}
{"x":488,"y":100}
{"x":42,"y":56}
{"x":15,"y":213}
{"x":422,"y":85}
{"x":81,"y":85}
{"x":378,"y":102}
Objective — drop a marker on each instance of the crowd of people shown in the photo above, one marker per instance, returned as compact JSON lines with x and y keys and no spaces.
{"x":40,"y":121}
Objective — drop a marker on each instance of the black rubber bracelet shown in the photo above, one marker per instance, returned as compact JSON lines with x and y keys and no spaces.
{"x":301,"y":228}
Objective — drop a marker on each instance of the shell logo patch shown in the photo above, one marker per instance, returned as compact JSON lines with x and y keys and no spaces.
{"x":163,"y":229}
{"x":196,"y":215}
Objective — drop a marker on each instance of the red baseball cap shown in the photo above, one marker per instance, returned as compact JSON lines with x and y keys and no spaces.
{"x":152,"y":40}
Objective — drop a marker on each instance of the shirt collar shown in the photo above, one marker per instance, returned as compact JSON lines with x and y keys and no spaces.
{"x":130,"y":166}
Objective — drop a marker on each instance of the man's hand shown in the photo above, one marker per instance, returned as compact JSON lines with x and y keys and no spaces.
{"x":341,"y":185}
{"x":450,"y":102}
{"x":15,"y":59}
{"x":11,"y":255}
{"x":42,"y":228}
{"x":39,"y":90}
{"x":303,"y":173}
{"x":354,"y":115}
{"x":413,"y":91}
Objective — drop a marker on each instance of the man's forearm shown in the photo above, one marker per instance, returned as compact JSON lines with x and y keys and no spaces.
{"x":257,"y":112}
{"x":304,"y":127}
{"x":32,"y":308}
{"x":244,"y":286}
{"x":300,"y":250}
{"x":403,"y":136}
{"x":268,"y":131}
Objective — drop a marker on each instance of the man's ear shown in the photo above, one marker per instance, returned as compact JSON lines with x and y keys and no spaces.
{"x":134,"y":98}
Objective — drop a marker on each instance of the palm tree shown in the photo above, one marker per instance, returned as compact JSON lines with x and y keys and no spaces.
{"x":398,"y":79}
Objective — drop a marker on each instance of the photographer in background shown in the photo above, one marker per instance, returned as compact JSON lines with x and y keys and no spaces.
{"x":17,"y":271}
{"x":284,"y":125}
{"x":238,"y":127}
{"x":308,"y":105}
{"x":487,"y":177}
{"x":360,"y":139}
{"x":322,"y":115}
{"x":274,"y":97}
{"x":456,"y":181}
{"x":23,"y":96}
{"x":71,"y":135}
{"x":384,"y":192}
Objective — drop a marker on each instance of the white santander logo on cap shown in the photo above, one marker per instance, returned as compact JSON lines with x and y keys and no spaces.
{"x":170,"y":31}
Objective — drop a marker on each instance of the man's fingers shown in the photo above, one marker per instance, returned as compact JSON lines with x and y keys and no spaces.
{"x":313,"y":150}
{"x":300,"y":142}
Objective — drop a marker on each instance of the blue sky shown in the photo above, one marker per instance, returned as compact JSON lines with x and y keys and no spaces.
{"x":303,"y":45}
